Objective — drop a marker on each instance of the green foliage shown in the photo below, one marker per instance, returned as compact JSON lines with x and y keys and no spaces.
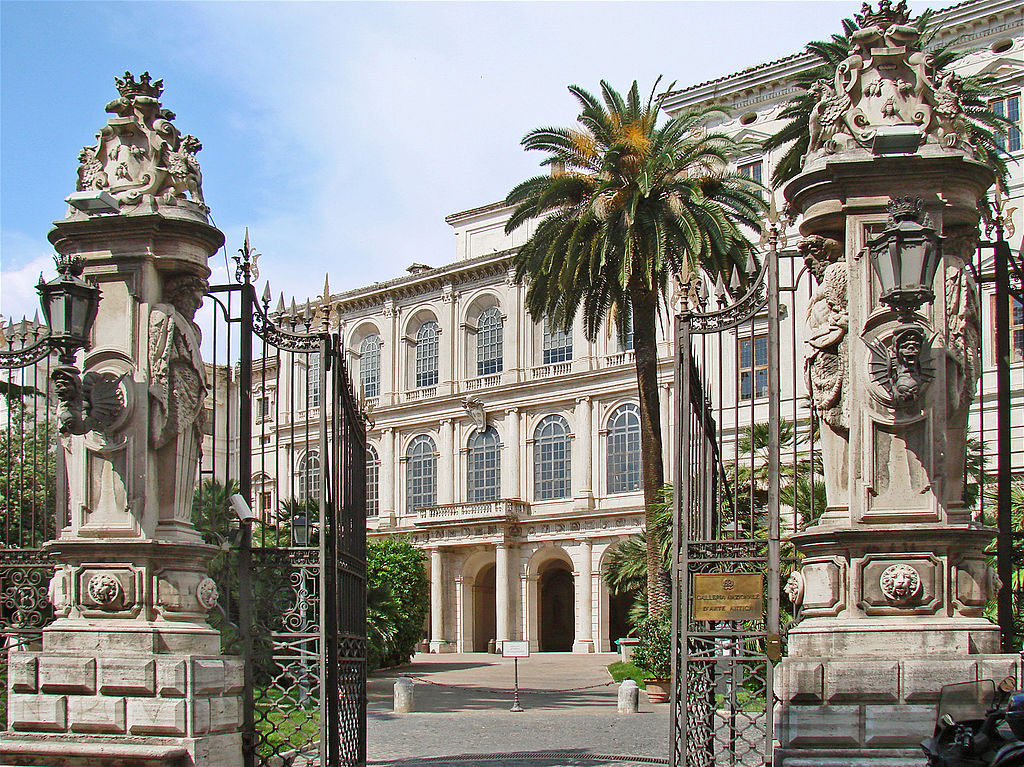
{"x":28,"y":470}
{"x":397,"y":600}
{"x":983,"y":125}
{"x":625,"y":570}
{"x":653,"y":654}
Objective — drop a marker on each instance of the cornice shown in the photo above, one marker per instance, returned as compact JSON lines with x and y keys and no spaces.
{"x":463,"y":215}
{"x":455,"y":274}
{"x":772,"y":81}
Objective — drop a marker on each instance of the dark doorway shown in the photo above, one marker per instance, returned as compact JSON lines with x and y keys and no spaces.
{"x":485,"y":616}
{"x":618,"y":615}
{"x":557,"y":609}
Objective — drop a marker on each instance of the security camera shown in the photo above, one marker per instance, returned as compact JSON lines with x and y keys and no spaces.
{"x":241,"y":508}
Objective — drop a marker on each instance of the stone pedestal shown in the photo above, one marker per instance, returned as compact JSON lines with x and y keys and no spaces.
{"x":130,"y":672}
{"x":894,"y":580}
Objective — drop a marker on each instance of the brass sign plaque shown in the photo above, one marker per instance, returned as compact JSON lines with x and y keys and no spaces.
{"x":728,"y":597}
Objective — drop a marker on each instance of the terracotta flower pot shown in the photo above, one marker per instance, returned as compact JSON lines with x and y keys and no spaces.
{"x":658,"y":690}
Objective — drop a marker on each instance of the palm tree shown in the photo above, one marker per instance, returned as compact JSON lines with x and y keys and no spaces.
{"x":983,"y":125}
{"x":628,"y":206}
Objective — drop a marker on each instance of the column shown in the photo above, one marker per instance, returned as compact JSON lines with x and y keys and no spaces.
{"x":501,"y":592}
{"x":666,"y":436}
{"x":528,"y":600}
{"x":584,"y":599}
{"x":437,"y":643}
{"x":583,"y":467}
{"x":446,"y":463}
{"x":387,"y":477}
{"x":510,"y":456}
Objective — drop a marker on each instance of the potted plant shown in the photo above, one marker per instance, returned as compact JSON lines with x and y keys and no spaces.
{"x":653,"y":656}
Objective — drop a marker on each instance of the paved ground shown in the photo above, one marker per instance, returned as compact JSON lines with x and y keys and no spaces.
{"x":461,"y":710}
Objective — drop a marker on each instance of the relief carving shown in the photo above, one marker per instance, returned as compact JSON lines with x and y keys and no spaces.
{"x":900,"y":583}
{"x":177,"y":390}
{"x":139,"y":152}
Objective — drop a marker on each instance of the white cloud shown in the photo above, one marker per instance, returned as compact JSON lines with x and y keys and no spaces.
{"x":23,"y":260}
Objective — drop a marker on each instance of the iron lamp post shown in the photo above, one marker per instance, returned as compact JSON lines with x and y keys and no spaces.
{"x":69,"y":306}
{"x":905,"y":257}
{"x":300,"y":530}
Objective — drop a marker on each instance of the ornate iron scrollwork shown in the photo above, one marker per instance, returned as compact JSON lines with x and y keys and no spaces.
{"x":747,"y":306}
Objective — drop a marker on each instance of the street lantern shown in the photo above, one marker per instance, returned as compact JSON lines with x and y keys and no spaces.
{"x":300,"y":530}
{"x":905,"y":257}
{"x":69,"y":305}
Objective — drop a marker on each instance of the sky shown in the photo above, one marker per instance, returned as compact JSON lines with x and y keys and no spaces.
{"x":342,"y":133}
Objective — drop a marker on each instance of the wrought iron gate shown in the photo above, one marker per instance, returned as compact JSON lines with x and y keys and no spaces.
{"x":286,"y":434}
{"x":29,"y":500}
{"x":727,"y":476}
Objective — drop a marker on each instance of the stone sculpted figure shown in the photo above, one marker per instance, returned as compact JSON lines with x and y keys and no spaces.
{"x":177,"y":391}
{"x":183,"y":167}
{"x":827,"y":116}
{"x":826,"y":364}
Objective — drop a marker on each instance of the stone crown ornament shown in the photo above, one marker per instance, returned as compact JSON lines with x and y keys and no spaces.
{"x":885,"y":83}
{"x":139,"y":155}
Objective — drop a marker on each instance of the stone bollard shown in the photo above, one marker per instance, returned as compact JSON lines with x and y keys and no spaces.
{"x":629,"y":696}
{"x":403,"y":695}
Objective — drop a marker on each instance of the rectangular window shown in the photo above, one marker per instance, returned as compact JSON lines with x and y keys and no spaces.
{"x":752,"y":170}
{"x":753,"y":366}
{"x":557,"y":346}
{"x":1016,"y":330}
{"x":1009,"y":108}
{"x":262,"y":408}
{"x":266,"y":501}
{"x":313,"y":381}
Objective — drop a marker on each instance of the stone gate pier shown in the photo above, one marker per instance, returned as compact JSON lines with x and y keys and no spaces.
{"x":130,"y":672}
{"x":894,"y":579}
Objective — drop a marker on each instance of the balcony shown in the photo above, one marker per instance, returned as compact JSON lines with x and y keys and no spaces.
{"x":622,"y":358}
{"x":483,"y":382}
{"x":550,"y":371}
{"x":485,"y":511}
{"x":425,"y":392}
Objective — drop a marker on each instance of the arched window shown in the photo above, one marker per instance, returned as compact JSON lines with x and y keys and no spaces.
{"x":624,"y":449}
{"x":489,"y":342}
{"x":369,"y":366}
{"x":551,"y":459}
{"x":309,"y":476}
{"x":372,"y":482}
{"x":426,"y":354}
{"x":557,"y":345}
{"x":483,"y":473}
{"x":421,"y":474}
{"x":313,"y":380}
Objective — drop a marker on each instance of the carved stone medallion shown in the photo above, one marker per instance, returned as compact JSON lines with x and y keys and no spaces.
{"x":104,"y":589}
{"x":900,"y":583}
{"x":794,"y":588}
{"x":207,"y":593}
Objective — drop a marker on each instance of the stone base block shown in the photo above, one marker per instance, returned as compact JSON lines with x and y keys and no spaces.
{"x":868,"y":711}
{"x":110,"y":751}
{"x":437,"y":645}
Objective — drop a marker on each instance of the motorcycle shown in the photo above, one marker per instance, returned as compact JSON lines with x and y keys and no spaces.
{"x":978,"y":725}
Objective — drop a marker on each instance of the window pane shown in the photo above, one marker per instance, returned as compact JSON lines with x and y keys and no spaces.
{"x":551,"y":462}
{"x":313,"y":380}
{"x":483,"y":475}
{"x":421,"y":474}
{"x":489,"y":343}
{"x":372,"y":483}
{"x":624,"y":449}
{"x":369,"y":366}
{"x":557,"y":346}
{"x":426,"y":354}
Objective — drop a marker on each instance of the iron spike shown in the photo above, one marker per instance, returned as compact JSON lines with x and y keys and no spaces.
{"x":266,"y":294}
{"x":735,"y":284}
{"x":751,"y":267}
{"x":280,"y":304}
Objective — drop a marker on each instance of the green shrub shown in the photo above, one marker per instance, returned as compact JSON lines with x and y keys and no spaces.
{"x":398,"y":591}
{"x":653,"y":653}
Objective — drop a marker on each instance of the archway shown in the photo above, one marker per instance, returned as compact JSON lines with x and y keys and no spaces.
{"x":619,"y":606}
{"x":485,"y":616}
{"x":557,"y":608}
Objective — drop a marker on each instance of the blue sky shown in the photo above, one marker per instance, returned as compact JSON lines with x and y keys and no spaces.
{"x":342,"y":133}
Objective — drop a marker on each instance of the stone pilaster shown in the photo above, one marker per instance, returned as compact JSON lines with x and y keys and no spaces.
{"x":130,"y":666}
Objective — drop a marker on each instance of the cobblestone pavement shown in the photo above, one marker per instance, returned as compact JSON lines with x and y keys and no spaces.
{"x":461,"y":715}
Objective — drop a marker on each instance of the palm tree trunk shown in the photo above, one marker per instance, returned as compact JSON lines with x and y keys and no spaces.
{"x":645,"y":349}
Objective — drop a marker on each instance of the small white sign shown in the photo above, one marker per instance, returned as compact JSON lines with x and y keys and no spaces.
{"x":510,"y":649}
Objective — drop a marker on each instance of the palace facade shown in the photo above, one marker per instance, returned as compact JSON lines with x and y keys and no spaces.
{"x":510,"y":453}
